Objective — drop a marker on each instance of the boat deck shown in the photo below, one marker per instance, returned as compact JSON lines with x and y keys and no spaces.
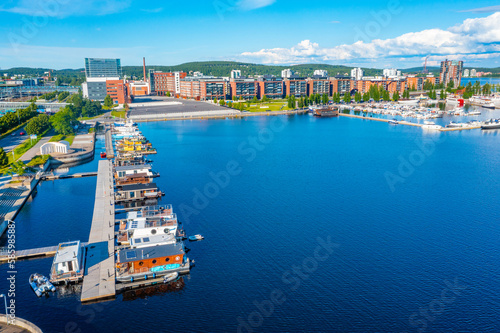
{"x":99,"y":278}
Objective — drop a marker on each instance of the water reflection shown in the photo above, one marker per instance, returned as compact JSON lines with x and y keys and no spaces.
{"x":155,"y":290}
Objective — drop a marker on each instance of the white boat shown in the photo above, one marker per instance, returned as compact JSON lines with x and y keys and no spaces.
{"x":489,"y":106}
{"x":196,"y":238}
{"x":393,"y":122}
{"x":429,"y":122}
{"x":474,"y":113}
{"x":456,"y":125}
{"x":40,"y":284}
{"x":432,"y":127}
{"x":170,"y":277}
{"x":491,"y":124}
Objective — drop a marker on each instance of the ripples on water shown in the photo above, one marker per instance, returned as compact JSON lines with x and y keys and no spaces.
{"x":316,"y":178}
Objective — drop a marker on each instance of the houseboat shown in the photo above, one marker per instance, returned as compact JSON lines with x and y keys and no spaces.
{"x":134,"y":174}
{"x":130,"y":159}
{"x":151,"y":262}
{"x":326,"y":112}
{"x":68,"y":263}
{"x":147,"y":227}
{"x":137,"y":192}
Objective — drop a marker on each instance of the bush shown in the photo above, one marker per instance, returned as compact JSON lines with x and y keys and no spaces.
{"x":38,"y":125}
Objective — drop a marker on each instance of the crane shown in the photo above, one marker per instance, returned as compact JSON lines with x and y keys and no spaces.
{"x":425,"y":65}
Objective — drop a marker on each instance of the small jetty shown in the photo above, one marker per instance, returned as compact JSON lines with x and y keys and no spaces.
{"x":99,"y":277}
{"x":75,"y":175}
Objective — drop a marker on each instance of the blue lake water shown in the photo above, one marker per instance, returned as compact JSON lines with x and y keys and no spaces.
{"x":482,"y":80}
{"x":411,"y":219}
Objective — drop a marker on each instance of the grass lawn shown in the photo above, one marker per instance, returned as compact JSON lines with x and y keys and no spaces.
{"x":268,"y":106}
{"x":89,"y":118}
{"x":119,"y":114}
{"x":60,"y":137}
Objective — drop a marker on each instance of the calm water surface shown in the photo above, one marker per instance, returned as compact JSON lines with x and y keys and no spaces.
{"x":405,"y":234}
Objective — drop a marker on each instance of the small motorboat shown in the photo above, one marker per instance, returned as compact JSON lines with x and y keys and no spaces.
{"x":40,"y":284}
{"x":103,"y":155}
{"x":170,"y":277}
{"x":196,"y":238}
{"x":393,"y":122}
{"x":491,"y":124}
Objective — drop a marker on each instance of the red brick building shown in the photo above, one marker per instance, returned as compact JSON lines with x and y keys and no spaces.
{"x":118,"y":91}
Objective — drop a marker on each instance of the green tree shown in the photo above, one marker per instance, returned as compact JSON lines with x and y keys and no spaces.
{"x":347,"y":98}
{"x":357,"y":97}
{"x":325,"y":99}
{"x":255,"y":99}
{"x":63,"y":122}
{"x":3,"y":158}
{"x":301,"y":103}
{"x":108,"y":102}
{"x":169,"y":94}
{"x":18,"y":168}
{"x":38,"y":125}
{"x":366,"y":97}
{"x":395,"y":96}
{"x":222,"y":102}
{"x":62,"y":96}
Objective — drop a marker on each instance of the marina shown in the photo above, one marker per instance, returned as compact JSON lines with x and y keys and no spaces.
{"x":108,"y":259}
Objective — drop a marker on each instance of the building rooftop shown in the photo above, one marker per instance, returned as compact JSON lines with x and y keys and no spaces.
{"x":133,"y":167}
{"x":67,"y":252}
{"x":151,"y":252}
{"x":137,"y":187}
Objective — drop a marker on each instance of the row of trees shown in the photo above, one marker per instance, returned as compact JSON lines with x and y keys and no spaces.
{"x":13,"y":119}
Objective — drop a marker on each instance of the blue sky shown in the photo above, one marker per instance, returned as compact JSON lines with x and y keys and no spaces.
{"x":396,"y":33}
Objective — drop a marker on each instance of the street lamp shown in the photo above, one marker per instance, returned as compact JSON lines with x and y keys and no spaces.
{"x":6,"y":313}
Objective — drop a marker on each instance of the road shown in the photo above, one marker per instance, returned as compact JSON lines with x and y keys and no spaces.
{"x":10,"y":142}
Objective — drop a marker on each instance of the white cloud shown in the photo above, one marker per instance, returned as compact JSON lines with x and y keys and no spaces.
{"x":470,"y":39}
{"x":254,"y":4}
{"x":64,"y":8}
{"x":490,"y":9}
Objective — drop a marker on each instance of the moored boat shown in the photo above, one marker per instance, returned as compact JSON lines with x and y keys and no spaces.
{"x":491,"y":124}
{"x":170,"y":277}
{"x":40,"y":284}
{"x":196,"y":238}
{"x":393,"y":122}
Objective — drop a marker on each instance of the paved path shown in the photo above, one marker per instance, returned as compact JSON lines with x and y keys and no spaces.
{"x":35,"y":150}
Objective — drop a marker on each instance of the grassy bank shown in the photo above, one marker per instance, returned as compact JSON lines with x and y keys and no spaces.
{"x":268,"y":106}
{"x":61,"y":137}
{"x":119,"y":114}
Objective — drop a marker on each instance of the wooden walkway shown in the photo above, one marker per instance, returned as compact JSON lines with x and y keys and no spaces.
{"x":76,"y":175}
{"x":99,"y":278}
{"x":109,"y":145}
{"x":39,"y":253}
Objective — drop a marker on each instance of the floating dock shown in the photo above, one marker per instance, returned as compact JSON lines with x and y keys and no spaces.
{"x":75,"y":175}
{"x":110,"y":153}
{"x":39,"y":253}
{"x":99,"y":277}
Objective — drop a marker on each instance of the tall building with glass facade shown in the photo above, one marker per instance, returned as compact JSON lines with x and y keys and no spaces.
{"x":98,"y":67}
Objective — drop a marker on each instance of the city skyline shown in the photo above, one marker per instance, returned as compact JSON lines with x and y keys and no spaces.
{"x":386,"y":35}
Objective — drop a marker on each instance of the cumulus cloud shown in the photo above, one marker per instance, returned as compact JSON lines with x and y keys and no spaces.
{"x":64,"y":8}
{"x":254,"y":4}
{"x":471,"y":38}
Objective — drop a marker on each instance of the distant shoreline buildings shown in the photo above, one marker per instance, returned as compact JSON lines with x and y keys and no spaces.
{"x":104,"y":77}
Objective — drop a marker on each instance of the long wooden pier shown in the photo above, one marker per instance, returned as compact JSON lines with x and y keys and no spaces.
{"x":99,"y":277}
{"x":110,"y":153}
